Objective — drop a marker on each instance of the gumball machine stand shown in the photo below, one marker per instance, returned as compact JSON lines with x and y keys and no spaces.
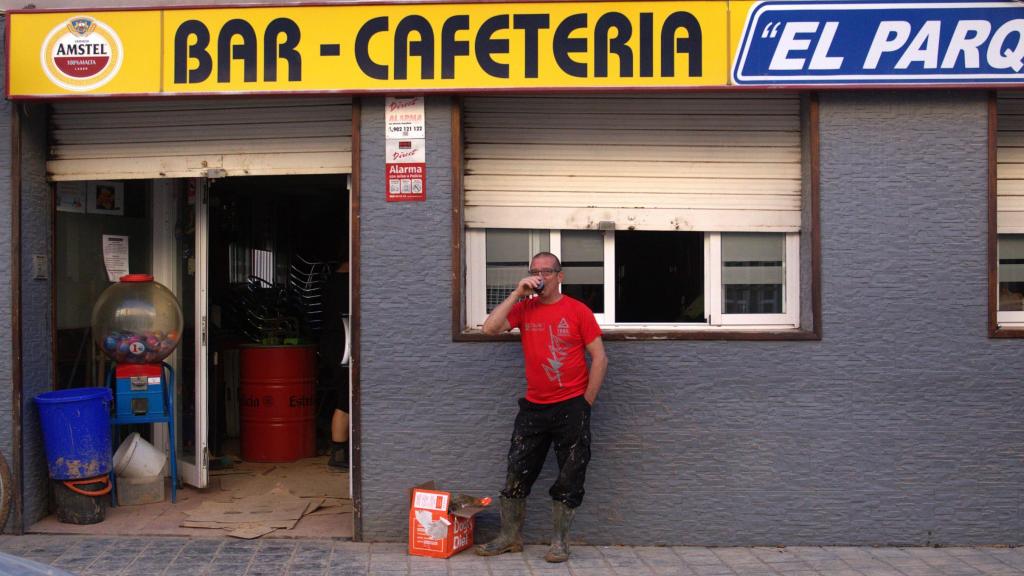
{"x":137,"y":323}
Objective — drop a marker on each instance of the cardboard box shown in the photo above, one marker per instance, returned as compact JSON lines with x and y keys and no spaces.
{"x":433,"y":531}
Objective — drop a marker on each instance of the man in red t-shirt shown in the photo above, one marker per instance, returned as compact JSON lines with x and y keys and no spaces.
{"x":560,"y":390}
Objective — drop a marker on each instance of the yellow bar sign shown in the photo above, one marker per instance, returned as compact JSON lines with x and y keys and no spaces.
{"x":370,"y":48}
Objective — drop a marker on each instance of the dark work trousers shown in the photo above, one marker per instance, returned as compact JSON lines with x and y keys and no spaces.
{"x":565,"y":424}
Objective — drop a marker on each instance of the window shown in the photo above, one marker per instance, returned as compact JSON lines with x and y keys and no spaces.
{"x":648,"y":279}
{"x":1006,"y":303}
{"x":1011,"y":279}
{"x":670,"y":212}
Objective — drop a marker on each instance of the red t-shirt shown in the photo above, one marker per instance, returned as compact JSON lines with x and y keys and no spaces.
{"x":554,"y":336}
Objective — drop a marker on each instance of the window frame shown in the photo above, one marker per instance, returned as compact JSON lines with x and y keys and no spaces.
{"x":791,"y":288}
{"x":1000,"y":324}
{"x":476,"y":289}
{"x":810,"y":290}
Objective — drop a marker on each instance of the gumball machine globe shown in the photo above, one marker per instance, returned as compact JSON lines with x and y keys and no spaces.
{"x":137,"y":321}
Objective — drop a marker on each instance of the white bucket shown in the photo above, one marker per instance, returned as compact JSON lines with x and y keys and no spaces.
{"x":136,"y":458}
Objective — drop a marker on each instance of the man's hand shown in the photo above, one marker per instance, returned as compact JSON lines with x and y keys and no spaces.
{"x":527,"y":286}
{"x":598,"y":368}
{"x":497,"y":320}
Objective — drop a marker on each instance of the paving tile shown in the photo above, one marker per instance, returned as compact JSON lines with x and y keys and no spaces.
{"x":697,"y":555}
{"x":616,"y":551}
{"x":634,"y":571}
{"x":673,"y":571}
{"x":463,"y":571}
{"x":306,"y":571}
{"x":712,"y":570}
{"x":496,"y":568}
{"x":508,"y":571}
{"x":265,"y":571}
{"x":774,"y":555}
{"x":347,"y":571}
{"x":588,"y":563}
{"x":625,"y":562}
{"x":884,"y":572}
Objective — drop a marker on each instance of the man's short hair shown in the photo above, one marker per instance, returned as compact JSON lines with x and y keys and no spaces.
{"x":558,"y":263}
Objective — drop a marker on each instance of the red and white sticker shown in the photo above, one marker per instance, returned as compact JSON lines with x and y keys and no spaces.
{"x":405,"y":170}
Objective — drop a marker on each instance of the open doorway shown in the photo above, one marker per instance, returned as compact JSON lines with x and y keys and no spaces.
{"x":254,"y":263}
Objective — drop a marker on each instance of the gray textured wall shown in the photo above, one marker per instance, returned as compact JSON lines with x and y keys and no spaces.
{"x":6,"y":387}
{"x":36,"y":337}
{"x":903,"y":425}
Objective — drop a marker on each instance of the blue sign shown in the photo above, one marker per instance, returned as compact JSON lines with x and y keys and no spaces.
{"x":793,"y":43}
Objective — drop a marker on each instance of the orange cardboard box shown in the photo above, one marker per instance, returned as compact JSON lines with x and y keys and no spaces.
{"x":433,"y":531}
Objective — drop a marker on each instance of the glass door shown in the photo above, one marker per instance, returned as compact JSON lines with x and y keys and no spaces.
{"x":180,"y":234}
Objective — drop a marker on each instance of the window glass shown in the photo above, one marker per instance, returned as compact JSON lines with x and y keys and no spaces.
{"x":508,"y":254}
{"x":753,"y":273}
{"x":583,"y":263}
{"x":659,"y":276}
{"x":1011,"y":272}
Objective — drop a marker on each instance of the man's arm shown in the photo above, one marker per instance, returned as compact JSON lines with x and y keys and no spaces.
{"x":497,"y":320}
{"x":598,"y":368}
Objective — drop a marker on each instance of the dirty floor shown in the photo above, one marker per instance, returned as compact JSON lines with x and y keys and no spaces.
{"x":310,"y":479}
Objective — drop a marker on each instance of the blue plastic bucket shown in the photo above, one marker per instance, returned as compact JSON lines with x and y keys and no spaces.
{"x":76,"y":432}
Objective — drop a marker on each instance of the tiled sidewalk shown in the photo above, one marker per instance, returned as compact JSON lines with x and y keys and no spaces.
{"x":167,"y":556}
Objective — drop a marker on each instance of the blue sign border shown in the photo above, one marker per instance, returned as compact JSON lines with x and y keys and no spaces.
{"x":882,"y":77}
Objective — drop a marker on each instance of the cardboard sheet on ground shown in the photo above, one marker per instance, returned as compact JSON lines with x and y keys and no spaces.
{"x":333,"y":506}
{"x":274,"y":510}
{"x":260,"y":498}
{"x":250,"y":531}
{"x":300,"y":481}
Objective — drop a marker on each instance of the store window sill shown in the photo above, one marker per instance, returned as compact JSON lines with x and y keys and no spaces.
{"x":1016,"y":331}
{"x":620,"y":335}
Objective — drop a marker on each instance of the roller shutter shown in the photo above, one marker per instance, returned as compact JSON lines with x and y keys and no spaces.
{"x":98,"y":140}
{"x":658,"y":162}
{"x":1010,"y":164}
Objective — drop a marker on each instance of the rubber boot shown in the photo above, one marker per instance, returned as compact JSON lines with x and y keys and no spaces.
{"x":510,"y":539}
{"x":561,"y":516}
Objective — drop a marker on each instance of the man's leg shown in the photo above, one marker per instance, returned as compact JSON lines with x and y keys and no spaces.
{"x":571,"y":437}
{"x":529,"y":446}
{"x":339,"y":420}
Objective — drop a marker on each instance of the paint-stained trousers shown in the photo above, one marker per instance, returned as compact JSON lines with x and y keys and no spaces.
{"x":566,"y":425}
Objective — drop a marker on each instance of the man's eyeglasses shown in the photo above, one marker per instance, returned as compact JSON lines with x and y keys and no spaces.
{"x":545,"y":272}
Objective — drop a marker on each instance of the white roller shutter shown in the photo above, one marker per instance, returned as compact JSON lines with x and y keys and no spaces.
{"x":1010,"y":164}
{"x":107,"y":140}
{"x":658,"y":162}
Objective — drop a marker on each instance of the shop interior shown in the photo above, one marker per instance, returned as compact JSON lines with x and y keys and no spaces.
{"x":259,"y":254}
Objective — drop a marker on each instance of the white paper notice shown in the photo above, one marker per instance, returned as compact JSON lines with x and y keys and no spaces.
{"x":115,"y":256}
{"x":404,"y":117}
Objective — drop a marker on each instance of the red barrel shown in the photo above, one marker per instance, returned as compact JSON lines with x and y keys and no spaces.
{"x":277,"y":409}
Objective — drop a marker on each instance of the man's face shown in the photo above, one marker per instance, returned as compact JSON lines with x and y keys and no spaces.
{"x":547,"y":266}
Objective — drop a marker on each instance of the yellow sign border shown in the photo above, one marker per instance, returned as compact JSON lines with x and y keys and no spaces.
{"x":649,"y":46}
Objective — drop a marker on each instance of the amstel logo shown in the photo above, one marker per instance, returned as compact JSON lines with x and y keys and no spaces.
{"x":81,"y":54}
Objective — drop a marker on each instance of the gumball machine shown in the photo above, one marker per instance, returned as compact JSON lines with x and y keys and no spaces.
{"x":137,"y":323}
